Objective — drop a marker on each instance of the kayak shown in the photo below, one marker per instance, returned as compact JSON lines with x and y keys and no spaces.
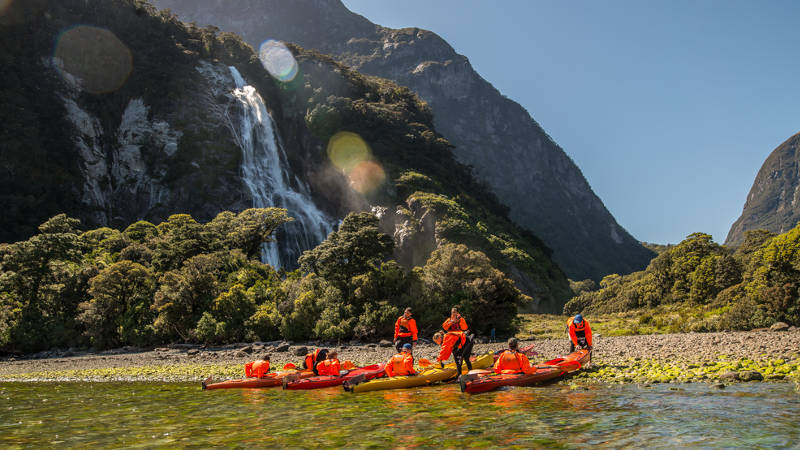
{"x":369,"y":372}
{"x":423,"y":378}
{"x":475,"y":383}
{"x":271,"y":380}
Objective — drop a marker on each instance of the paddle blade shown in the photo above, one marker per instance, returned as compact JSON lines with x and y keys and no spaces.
{"x":348,"y":365}
{"x":289,"y":366}
{"x":424,"y":363}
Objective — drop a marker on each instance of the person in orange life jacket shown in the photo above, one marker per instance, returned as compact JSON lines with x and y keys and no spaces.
{"x":257,"y":369}
{"x":513,"y":361}
{"x":580,"y":333}
{"x":461,"y":353}
{"x":455,"y":328}
{"x":405,"y":331}
{"x":330,"y":366}
{"x":311,"y":360}
{"x":401,"y":363}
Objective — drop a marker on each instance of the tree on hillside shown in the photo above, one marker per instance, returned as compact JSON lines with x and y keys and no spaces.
{"x":119,"y":310}
{"x":457,"y":276}
{"x":356,"y":248}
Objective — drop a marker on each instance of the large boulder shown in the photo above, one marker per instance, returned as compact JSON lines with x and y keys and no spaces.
{"x":750,"y":375}
{"x":779,"y":326}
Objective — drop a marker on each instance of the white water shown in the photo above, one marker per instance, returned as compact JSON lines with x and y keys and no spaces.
{"x":265,"y":174}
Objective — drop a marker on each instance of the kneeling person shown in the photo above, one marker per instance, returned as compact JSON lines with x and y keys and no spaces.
{"x":401,"y":363}
{"x":257,"y":369}
{"x":330,"y":366}
{"x":512,"y":360}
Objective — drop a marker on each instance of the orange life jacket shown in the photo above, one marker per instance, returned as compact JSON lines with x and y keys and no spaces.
{"x":405,"y":328}
{"x":311,"y":359}
{"x":256,"y":369}
{"x":400,"y":364}
{"x":329,"y":367}
{"x":512,"y":362}
{"x":458,"y":326}
{"x":580,"y":331}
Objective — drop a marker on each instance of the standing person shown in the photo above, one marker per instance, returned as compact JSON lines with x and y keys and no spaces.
{"x":401,"y":363}
{"x":329,"y":366}
{"x":405,"y":331}
{"x":512,"y":360}
{"x":455,"y":328}
{"x":257,"y":369}
{"x":580,"y":333}
{"x":461,"y":353}
{"x":311,"y":360}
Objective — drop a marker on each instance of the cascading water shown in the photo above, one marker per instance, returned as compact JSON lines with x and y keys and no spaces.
{"x":265,"y":173}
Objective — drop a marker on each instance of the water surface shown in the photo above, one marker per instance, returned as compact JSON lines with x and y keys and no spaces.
{"x":161,"y":415}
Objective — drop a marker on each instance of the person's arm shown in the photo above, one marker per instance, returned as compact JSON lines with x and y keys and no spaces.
{"x":588,"y":333}
{"x":409,"y":363}
{"x":525,"y":364}
{"x":463,"y":324}
{"x":389,"y":369}
{"x":572,"y":336}
{"x":498,"y":365}
{"x":248,"y":369}
{"x":396,"y":328}
{"x":446,"y":324}
{"x":413,"y":324}
{"x":336,"y":367}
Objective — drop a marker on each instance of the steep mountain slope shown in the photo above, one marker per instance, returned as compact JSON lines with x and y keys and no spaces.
{"x":524,"y":167}
{"x":139,"y":116}
{"x":772,"y":203}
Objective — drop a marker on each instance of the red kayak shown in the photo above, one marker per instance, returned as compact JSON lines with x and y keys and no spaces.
{"x":271,"y":380}
{"x":475,"y":383}
{"x":368,"y":373}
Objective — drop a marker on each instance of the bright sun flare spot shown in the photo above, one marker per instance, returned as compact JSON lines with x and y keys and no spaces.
{"x":278,"y":60}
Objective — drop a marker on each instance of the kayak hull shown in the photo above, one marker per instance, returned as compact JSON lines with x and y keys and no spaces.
{"x":548,"y":371}
{"x":271,"y":380}
{"x":423,"y":378}
{"x":491,"y":382}
{"x":369,"y":372}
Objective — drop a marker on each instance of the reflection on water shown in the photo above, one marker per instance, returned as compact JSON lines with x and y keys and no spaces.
{"x":129,"y":414}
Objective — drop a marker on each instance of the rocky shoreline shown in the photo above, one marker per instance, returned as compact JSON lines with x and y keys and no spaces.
{"x":688,"y":357}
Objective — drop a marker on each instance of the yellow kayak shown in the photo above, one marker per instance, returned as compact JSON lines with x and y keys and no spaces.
{"x":425,"y":377}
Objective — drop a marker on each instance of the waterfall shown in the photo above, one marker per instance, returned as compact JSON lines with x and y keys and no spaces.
{"x":265,"y":172}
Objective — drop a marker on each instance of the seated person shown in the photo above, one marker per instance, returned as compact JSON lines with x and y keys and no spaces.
{"x":401,"y":363}
{"x":512,"y":360}
{"x":330,"y":366}
{"x":257,"y":369}
{"x":311,"y":360}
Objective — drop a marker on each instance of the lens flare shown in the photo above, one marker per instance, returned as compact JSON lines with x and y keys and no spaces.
{"x":278,"y":60}
{"x":366,"y":177}
{"x":346,"y":150}
{"x":4,"y":5}
{"x":95,"y":57}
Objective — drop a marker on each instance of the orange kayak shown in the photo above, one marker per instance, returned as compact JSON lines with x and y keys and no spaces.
{"x":475,"y":383}
{"x":271,"y":380}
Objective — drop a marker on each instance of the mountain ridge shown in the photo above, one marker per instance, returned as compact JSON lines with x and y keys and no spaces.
{"x":545,"y":190}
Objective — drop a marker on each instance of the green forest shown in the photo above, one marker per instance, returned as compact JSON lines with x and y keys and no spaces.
{"x":183,"y":281}
{"x":699,"y":285}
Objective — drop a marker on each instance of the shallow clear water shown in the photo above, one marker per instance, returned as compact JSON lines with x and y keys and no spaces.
{"x":166,"y":415}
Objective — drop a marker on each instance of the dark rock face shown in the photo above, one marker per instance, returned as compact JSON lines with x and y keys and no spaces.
{"x":773,"y":201}
{"x":530,"y":173}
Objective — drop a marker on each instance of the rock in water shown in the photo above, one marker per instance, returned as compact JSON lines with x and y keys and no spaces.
{"x":730,"y":376}
{"x":282,"y":348}
{"x":750,"y":375}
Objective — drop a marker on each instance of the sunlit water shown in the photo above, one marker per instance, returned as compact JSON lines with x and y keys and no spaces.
{"x":165,"y":415}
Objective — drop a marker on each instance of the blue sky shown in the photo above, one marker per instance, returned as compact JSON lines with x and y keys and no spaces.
{"x":668,"y":107}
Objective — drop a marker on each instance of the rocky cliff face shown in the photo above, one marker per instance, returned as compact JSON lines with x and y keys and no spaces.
{"x":140,"y":116}
{"x":524,"y":167}
{"x":159,"y":136}
{"x":773,"y":203}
